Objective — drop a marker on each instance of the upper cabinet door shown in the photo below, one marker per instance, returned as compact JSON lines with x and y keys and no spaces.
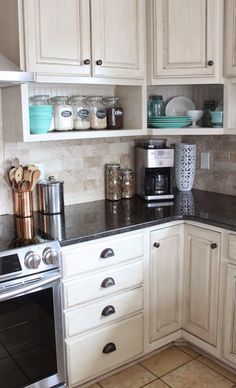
{"x":183,"y":38}
{"x":57,"y":36}
{"x":118,"y":38}
{"x":230,"y":38}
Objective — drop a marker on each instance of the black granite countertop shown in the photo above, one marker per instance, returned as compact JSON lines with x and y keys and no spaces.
{"x":98,"y":219}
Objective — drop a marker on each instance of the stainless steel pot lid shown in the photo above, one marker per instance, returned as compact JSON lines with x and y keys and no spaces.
{"x":50,"y":181}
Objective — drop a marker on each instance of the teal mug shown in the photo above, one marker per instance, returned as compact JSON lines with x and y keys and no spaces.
{"x":217,"y":119}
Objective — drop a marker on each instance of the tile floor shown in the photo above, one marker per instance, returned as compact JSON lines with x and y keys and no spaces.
{"x":175,"y":367}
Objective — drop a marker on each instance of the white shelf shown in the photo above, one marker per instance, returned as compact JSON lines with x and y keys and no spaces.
{"x":185,"y":131}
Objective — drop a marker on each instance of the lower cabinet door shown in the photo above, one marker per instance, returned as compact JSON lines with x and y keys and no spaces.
{"x":229,"y":326}
{"x":100,"y":351}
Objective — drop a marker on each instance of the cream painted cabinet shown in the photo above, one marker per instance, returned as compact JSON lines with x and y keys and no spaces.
{"x":230,"y":38}
{"x":166,"y":280}
{"x":201,"y":283}
{"x":229,"y":322}
{"x":183,"y":36}
{"x":102,"y":38}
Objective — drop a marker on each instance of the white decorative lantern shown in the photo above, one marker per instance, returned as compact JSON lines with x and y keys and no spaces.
{"x":185,"y":163}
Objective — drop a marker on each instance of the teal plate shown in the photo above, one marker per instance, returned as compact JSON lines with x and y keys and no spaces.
{"x":176,"y":125}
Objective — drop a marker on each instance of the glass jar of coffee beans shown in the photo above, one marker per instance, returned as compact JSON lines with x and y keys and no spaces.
{"x":112,"y":181}
{"x":127,"y":183}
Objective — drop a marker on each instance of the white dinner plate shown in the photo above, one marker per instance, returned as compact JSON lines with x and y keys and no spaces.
{"x":178,"y":106}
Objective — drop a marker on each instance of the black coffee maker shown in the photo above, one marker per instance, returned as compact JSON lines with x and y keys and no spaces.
{"x":154,"y":170}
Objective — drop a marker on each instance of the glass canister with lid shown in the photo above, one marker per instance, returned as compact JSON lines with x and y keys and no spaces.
{"x":112,"y":181}
{"x":98,"y":118}
{"x":40,"y":99}
{"x":127,"y":183}
{"x":63,"y":115}
{"x":81,"y":114}
{"x":114,"y":112}
{"x":156,"y":106}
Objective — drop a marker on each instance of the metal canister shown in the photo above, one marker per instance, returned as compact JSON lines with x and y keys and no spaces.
{"x":51,"y":196}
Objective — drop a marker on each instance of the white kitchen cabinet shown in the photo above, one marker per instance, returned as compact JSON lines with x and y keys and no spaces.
{"x":201,"y":283}
{"x":76,"y":38}
{"x":230,"y":39}
{"x":229,"y":316}
{"x":166,"y":281}
{"x":184,"y":42}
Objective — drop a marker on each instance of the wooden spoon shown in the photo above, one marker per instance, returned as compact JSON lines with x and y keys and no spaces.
{"x":25,"y":186}
{"x":19,"y":174}
{"x":12,"y":174}
{"x":35,"y":177}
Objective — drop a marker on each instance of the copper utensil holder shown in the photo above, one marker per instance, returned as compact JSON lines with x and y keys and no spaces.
{"x":24,"y":227}
{"x":23,"y":203}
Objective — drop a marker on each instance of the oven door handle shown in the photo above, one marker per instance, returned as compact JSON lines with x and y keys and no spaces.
{"x":23,"y":290}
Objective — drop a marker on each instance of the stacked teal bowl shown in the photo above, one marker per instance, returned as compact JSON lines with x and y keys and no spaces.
{"x":40,"y":118}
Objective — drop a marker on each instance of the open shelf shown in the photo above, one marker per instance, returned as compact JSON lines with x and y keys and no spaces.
{"x":185,"y":131}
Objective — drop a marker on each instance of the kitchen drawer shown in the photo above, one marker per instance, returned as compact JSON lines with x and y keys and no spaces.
{"x":87,"y":357}
{"x":103,"y":312}
{"x":95,"y":255}
{"x":232,"y":247}
{"x":102,"y":284}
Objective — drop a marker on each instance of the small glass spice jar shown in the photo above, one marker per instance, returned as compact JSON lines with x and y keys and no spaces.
{"x":112,"y":181}
{"x":115,"y":112}
{"x":127,"y":183}
{"x":80,"y":112}
{"x":63,"y":116}
{"x":98,"y":116}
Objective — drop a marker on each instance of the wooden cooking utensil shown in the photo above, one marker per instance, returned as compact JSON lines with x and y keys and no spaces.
{"x":35,"y":177}
{"x":11,"y":174}
{"x":19,"y":174}
{"x":27,"y":174}
{"x":25,"y":186}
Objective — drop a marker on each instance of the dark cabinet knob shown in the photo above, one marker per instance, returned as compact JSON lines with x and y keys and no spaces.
{"x":213,"y":246}
{"x":108,"y":310}
{"x":108,"y":282}
{"x":99,"y":62}
{"x":210,"y":63}
{"x":109,"y":348}
{"x":108,"y":252}
{"x":87,"y":62}
{"x":156,"y":245}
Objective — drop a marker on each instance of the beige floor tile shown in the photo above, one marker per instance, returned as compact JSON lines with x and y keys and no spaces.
{"x":93,"y":386}
{"x":166,"y":361}
{"x":218,"y":368}
{"x":157,"y":384}
{"x":187,"y":349}
{"x":134,"y":377}
{"x":195,"y":374}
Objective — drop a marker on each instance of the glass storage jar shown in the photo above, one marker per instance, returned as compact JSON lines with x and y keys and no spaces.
{"x":156,"y":106}
{"x":127,"y":183}
{"x":80,"y":112}
{"x":112,"y":181}
{"x":40,"y":99}
{"x":114,"y":112}
{"x":63,"y":116}
{"x":98,"y":118}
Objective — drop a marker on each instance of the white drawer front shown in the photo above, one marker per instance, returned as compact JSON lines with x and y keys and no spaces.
{"x":102,"y":312}
{"x":232,"y":247}
{"x":88,"y":256}
{"x":85,"y":354}
{"x":90,"y":287}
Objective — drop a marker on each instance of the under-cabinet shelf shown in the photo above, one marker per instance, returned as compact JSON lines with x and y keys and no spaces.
{"x":185,"y":131}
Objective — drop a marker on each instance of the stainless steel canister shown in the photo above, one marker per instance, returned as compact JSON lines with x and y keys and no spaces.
{"x":51,"y":196}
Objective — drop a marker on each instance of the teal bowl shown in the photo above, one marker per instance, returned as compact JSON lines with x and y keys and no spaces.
{"x":40,"y":108}
{"x":40,"y":125}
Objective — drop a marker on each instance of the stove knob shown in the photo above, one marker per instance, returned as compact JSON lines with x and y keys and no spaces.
{"x":50,"y":256}
{"x":32,"y":260}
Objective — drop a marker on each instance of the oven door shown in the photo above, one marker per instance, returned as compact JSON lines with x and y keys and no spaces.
{"x":31,"y":333}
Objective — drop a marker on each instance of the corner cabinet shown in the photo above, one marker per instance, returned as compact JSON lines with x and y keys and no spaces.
{"x":184,"y":40}
{"x":230,"y":39}
{"x":201,"y":283}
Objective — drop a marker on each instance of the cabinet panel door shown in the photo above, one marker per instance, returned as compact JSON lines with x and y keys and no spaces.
{"x":57,"y":34}
{"x":230,"y":38}
{"x":166,"y":281}
{"x":201,"y":282}
{"x":118,"y":35}
{"x":229,"y":326}
{"x":183,"y":37}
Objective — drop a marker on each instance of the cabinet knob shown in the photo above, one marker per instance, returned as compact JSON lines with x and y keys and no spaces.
{"x":213,"y":245}
{"x":108,"y":282}
{"x":87,"y":62}
{"x":108,"y":252}
{"x":108,"y":310}
{"x":210,"y":63}
{"x":109,"y":348}
{"x":99,"y":62}
{"x":156,"y":245}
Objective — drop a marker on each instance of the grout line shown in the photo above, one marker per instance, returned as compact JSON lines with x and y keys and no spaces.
{"x":180,"y":366}
{"x":227,"y":378}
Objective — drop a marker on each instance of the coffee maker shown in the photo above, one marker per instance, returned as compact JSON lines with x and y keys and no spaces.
{"x":154,"y":170}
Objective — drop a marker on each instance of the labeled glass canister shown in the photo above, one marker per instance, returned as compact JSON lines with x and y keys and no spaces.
{"x":63,"y":115}
{"x":80,"y":112}
{"x":115,"y":112}
{"x":127,"y":183}
{"x":112,"y":181}
{"x":98,"y":116}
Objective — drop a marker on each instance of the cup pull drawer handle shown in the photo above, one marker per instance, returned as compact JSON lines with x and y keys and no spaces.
{"x":108,"y":252}
{"x":156,"y":245}
{"x":213,"y":246}
{"x":108,"y":310}
{"x":108,"y":282}
{"x":109,"y":348}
